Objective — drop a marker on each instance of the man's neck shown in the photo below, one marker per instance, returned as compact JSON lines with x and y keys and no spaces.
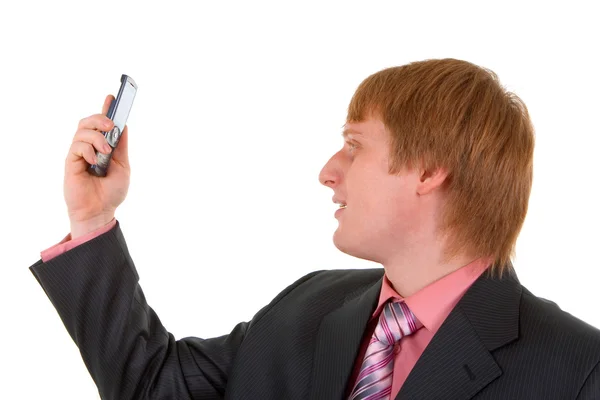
{"x":409,"y":278}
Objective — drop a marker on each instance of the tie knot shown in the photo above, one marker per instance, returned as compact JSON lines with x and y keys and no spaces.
{"x":395,"y":322}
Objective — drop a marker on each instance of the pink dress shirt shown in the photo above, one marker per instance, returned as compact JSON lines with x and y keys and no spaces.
{"x":431,"y":305}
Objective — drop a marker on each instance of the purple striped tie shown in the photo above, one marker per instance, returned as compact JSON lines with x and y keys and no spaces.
{"x":374,"y":381}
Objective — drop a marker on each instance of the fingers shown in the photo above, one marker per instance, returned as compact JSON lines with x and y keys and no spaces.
{"x":98,"y":122}
{"x":89,"y":138}
{"x":85,"y":143}
{"x":107,"y":102}
{"x":81,"y":150}
{"x":121,"y":152}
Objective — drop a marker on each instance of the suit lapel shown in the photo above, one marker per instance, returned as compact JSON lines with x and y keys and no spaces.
{"x":338,"y":343}
{"x":458,"y":362}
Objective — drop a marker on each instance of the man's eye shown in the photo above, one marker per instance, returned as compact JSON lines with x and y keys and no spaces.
{"x":351,"y":145}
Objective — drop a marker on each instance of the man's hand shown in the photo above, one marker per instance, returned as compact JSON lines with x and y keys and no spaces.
{"x":92,"y":200}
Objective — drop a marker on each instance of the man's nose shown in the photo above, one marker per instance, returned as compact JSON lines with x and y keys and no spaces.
{"x":329,"y":175}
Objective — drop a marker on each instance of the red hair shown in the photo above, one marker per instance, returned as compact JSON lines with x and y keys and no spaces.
{"x":456,"y":115}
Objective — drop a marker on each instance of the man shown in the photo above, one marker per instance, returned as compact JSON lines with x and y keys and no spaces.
{"x":433,"y":181}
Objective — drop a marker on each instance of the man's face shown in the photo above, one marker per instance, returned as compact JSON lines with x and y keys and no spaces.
{"x":382,"y":210}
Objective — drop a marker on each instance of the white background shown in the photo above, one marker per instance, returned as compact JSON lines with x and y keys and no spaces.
{"x":239,"y":106}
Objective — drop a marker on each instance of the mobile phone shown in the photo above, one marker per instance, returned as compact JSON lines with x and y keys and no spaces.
{"x":118,"y":112}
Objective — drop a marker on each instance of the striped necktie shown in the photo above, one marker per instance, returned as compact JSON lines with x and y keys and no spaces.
{"x":374,"y":381}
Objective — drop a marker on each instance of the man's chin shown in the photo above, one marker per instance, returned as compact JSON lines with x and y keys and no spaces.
{"x":339,"y":241}
{"x":344,"y":244}
{"x":353,"y":247}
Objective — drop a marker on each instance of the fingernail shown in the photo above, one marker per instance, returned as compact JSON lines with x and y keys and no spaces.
{"x":107,"y":148}
{"x":107,"y":123}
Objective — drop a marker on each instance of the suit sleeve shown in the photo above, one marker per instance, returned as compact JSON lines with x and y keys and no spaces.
{"x":129,"y":354}
{"x":591,"y":387}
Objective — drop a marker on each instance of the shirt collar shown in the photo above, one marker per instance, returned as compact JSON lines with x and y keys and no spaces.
{"x":432,"y":304}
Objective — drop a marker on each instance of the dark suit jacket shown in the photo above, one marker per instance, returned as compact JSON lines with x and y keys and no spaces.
{"x":499,"y":342}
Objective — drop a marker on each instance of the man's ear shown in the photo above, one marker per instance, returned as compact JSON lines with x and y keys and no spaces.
{"x":430,"y":180}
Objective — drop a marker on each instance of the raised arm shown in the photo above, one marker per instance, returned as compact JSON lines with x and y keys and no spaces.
{"x":91,"y":280}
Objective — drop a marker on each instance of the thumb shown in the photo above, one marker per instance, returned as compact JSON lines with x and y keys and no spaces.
{"x":121,"y":152}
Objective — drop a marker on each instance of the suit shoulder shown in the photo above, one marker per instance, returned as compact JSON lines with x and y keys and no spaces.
{"x":331,"y":284}
{"x":554,"y":323}
{"x":320,"y":291}
{"x":343,"y":280}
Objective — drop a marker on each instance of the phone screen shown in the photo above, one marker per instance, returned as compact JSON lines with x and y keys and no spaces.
{"x":122,"y":104}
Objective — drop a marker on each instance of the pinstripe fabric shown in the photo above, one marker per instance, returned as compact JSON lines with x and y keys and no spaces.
{"x":374,"y":381}
{"x":499,"y":342}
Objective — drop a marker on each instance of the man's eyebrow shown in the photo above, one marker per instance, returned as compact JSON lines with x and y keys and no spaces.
{"x":347,"y":132}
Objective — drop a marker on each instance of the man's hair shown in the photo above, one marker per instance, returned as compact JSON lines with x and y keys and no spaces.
{"x":456,"y":115}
